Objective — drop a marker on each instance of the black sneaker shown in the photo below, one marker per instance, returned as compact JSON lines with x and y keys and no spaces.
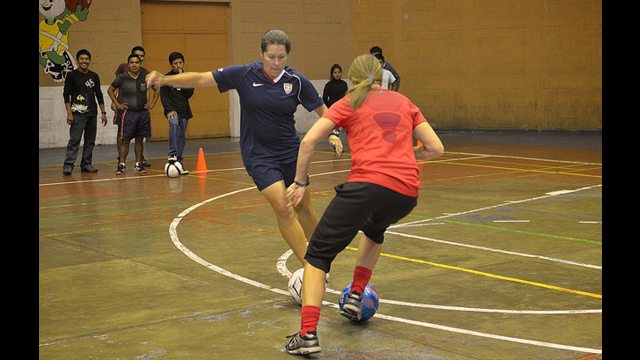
{"x":145,"y":162}
{"x":67,"y":169}
{"x":139,"y":168}
{"x":303,"y":345}
{"x":121,"y":169}
{"x":352,"y":308}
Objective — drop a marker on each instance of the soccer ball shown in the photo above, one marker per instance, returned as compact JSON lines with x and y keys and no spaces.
{"x":369,"y":301}
{"x":295,"y":285}
{"x":173,"y":169}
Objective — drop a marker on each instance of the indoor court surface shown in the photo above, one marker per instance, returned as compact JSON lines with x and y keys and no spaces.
{"x":501,"y":259}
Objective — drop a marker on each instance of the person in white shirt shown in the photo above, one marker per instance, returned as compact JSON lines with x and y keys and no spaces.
{"x":388,"y":80}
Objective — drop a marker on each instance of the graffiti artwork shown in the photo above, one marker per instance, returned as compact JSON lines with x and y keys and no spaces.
{"x":54,"y":54}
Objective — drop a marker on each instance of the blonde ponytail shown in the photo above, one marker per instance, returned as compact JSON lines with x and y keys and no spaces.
{"x":365,"y":72}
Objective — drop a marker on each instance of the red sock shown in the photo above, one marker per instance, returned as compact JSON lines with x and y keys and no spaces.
{"x":361,"y":276}
{"x":310,"y":316}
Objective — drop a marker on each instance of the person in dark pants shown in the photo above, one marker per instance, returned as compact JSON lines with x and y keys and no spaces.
{"x":82,"y":95}
{"x":175,"y":101}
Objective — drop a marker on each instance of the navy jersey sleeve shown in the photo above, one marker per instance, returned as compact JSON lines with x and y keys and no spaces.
{"x":229,"y":78}
{"x":309,"y":97}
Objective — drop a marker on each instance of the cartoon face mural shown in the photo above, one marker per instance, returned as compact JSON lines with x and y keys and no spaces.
{"x":54,"y":53}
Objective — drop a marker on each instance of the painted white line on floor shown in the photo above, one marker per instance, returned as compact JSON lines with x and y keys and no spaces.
{"x":176,"y":241}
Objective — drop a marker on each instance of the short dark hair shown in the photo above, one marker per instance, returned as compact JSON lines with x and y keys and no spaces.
{"x":138,"y":47}
{"x":133,"y":56}
{"x":83,"y":52}
{"x":375,"y":49}
{"x":175,"y":55}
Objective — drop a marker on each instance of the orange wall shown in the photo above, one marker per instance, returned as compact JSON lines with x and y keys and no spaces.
{"x":469,"y":64}
{"x":498,"y":64}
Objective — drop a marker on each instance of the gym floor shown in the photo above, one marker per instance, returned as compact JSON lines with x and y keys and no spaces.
{"x":501,"y":259}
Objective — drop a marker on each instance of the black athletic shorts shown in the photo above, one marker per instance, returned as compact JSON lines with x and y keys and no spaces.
{"x":357,"y":206}
{"x":132,"y":124}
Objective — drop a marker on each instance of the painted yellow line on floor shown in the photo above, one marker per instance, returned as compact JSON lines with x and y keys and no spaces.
{"x":524,"y":170}
{"x":552,"y":287}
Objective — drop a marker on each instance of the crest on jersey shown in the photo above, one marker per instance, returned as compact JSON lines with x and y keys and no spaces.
{"x":287,"y":88}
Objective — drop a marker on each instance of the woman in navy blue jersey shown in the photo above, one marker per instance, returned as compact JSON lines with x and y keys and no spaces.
{"x":270,"y":91}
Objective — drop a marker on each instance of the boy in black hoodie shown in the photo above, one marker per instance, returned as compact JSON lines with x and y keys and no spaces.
{"x":175,"y":101}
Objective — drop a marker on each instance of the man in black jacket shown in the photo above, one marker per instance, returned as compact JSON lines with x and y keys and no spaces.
{"x":175,"y":101}
{"x":82,"y":95}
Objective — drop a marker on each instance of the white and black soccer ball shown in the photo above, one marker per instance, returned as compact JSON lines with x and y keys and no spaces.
{"x":173,"y":169}
{"x":295,"y":285}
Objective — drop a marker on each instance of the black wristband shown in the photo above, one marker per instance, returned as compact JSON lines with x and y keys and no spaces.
{"x":299,"y":183}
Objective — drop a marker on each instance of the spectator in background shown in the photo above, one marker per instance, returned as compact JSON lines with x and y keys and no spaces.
{"x":175,"y":100}
{"x":123,"y":68}
{"x":82,"y":95}
{"x":377,"y":50}
{"x":335,"y":89}
{"x":388,"y":80}
{"x":133,"y":112}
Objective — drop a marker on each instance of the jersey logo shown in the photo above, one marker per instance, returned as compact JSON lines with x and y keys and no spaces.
{"x":256,"y":85}
{"x":287,"y":88}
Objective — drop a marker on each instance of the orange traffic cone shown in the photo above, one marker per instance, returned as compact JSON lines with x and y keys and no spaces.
{"x":202,"y":164}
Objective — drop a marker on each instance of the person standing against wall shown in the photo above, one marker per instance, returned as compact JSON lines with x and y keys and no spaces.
{"x":81,"y":92}
{"x":175,"y":101}
{"x":123,"y":68}
{"x":388,"y":80}
{"x":335,"y":89}
{"x":133,"y":112}
{"x":378,"y":50}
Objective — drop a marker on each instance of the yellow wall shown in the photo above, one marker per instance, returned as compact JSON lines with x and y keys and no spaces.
{"x":469,"y":64}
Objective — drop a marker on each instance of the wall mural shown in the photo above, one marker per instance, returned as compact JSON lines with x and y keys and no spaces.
{"x":54,"y":52}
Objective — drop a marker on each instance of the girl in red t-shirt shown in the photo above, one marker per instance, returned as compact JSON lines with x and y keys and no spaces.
{"x":382,"y":187}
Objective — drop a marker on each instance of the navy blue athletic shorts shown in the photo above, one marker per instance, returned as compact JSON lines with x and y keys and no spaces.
{"x":132,"y":124}
{"x":266,"y":174}
{"x":357,"y":206}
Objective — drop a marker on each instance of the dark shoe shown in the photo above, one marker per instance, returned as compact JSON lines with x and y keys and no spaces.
{"x":303,"y":345}
{"x":352,"y":308}
{"x":139,"y":168}
{"x":67,"y":169}
{"x":121,"y":169}
{"x":145,"y":162}
{"x":89,"y":169}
